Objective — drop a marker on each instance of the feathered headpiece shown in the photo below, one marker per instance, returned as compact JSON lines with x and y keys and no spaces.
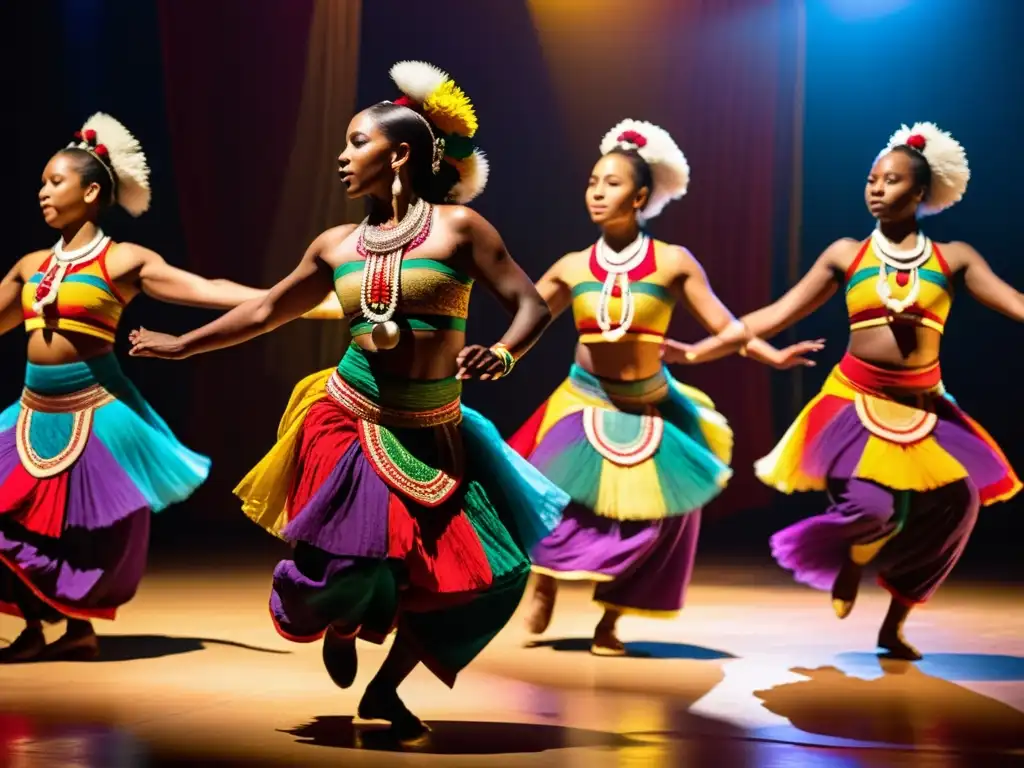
{"x":668,"y":164}
{"x":108,"y":141}
{"x":945,"y":157}
{"x":452,"y":120}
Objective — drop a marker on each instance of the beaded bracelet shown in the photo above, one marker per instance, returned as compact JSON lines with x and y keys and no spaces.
{"x":508,"y":361}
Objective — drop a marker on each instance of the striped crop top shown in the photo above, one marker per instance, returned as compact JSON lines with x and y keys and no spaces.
{"x":86,"y":300}
{"x":866,"y":308}
{"x":653,"y":302}
{"x":433,"y":296}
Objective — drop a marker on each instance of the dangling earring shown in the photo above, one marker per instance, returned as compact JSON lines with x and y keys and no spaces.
{"x":396,"y":192}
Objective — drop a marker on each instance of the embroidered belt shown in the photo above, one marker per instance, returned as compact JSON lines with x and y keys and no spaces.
{"x":365,"y":409}
{"x":82,"y":404}
{"x":90,"y":397}
{"x":428,"y":484}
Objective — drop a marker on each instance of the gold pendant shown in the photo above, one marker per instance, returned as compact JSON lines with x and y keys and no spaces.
{"x":385,"y":335}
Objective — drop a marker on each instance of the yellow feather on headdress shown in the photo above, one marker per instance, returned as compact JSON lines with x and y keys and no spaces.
{"x":450,"y":109}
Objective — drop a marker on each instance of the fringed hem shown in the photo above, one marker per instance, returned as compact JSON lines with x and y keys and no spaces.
{"x":665,"y":458}
{"x":845,"y":433}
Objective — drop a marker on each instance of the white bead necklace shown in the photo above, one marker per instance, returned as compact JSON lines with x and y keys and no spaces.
{"x":86,"y":250}
{"x":63,"y":260}
{"x":383,"y":249}
{"x":618,"y":266}
{"x":902,"y":261}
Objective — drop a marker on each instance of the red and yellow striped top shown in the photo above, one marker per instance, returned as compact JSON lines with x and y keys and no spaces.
{"x":87,"y":300}
{"x":865,"y":307}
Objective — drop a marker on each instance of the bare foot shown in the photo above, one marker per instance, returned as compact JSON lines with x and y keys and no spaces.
{"x":897,"y":647}
{"x":26,"y":647}
{"x":543,"y":605}
{"x":382,"y":703}
{"x":606,"y":642}
{"x":340,"y":659}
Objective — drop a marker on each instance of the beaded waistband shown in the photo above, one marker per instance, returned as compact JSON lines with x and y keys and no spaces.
{"x":362,"y":407}
{"x":73,"y":402}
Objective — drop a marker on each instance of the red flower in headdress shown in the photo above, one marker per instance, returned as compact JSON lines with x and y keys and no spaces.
{"x":90,"y":135}
{"x":405,"y":101}
{"x":78,"y":135}
{"x":633,"y":138}
{"x":917,"y":141}
{"x":101,"y":150}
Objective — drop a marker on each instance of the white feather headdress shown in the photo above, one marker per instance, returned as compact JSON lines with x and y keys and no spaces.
{"x":111,"y":143}
{"x":946,"y":158}
{"x":451,"y":118}
{"x":668,"y":164}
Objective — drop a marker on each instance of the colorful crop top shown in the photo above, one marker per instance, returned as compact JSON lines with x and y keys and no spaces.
{"x":86,"y":300}
{"x":648,"y":283}
{"x":433,"y":296}
{"x":865,"y":306}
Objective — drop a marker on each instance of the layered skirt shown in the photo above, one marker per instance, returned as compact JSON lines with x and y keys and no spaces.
{"x":406,"y":511}
{"x":639,"y":459}
{"x":83,"y":461}
{"x":906,"y":470}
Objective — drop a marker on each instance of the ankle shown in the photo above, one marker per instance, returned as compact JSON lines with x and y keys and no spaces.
{"x":546,"y":587}
{"x":79,"y":627}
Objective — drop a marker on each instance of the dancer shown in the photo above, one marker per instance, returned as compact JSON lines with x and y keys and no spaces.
{"x":638,"y":452}
{"x":405,"y":508}
{"x":83,"y":458}
{"x":906,"y":469}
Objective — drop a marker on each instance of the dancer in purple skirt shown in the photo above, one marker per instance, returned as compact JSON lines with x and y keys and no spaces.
{"x":84,"y":460}
{"x":638,"y":452}
{"x":905,"y":468}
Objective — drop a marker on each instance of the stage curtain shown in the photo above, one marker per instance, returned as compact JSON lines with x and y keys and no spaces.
{"x":255,"y":91}
{"x":312,"y":198}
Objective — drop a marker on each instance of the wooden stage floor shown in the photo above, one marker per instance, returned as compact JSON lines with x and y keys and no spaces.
{"x":755,"y":672}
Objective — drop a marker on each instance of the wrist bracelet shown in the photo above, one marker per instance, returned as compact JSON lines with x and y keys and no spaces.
{"x":508,"y":361}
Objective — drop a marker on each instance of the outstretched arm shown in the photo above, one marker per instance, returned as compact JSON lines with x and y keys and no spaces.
{"x":297,"y":294}
{"x":557,"y":293}
{"x":494,"y":267}
{"x":161,"y":281}
{"x":984,"y":284}
{"x":813,"y":290}
{"x":10,"y":299}
{"x":700,"y":299}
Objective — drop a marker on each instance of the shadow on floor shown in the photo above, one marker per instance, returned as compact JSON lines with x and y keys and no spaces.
{"x":640,"y":650}
{"x":457,"y":737}
{"x":136,"y":647}
{"x":114,"y":648}
{"x":903,"y":706}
